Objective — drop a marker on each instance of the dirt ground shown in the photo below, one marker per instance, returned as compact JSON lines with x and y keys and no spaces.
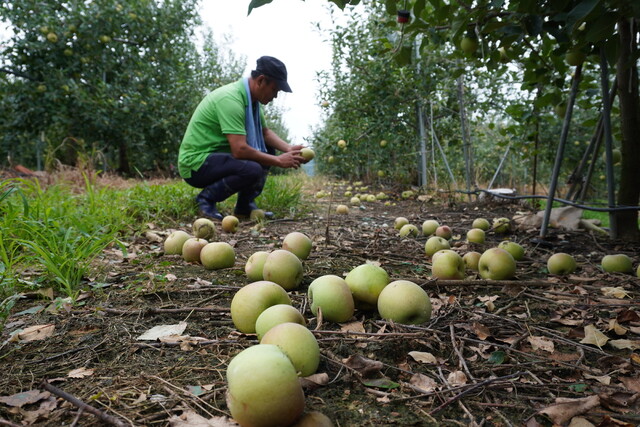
{"x":536,"y":350}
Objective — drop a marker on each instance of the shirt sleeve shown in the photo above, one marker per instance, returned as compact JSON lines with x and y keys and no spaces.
{"x":231,"y":114}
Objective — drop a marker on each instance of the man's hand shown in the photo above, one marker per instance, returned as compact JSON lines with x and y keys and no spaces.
{"x":291,"y":159}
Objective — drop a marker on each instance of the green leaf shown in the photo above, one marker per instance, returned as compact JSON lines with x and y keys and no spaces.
{"x":257,"y":3}
{"x":579,"y":388}
{"x":580,"y":12}
{"x":403,"y":57}
{"x":382,"y":383}
{"x":391,"y":6}
{"x":497,"y":357}
{"x":602,"y":28}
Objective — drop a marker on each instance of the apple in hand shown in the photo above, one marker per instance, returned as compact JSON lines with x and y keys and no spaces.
{"x":230,"y":224}
{"x":561,"y":264}
{"x":475,"y":235}
{"x":284,"y":268}
{"x":307,"y":153}
{"x":298,"y":343}
{"x":297,"y":243}
{"x":471,"y":260}
{"x":174,"y":242}
{"x":191,"y":249}
{"x":429,"y":227}
{"x":515,"y":249}
{"x":496,"y":264}
{"x":481,"y":223}
{"x":447,"y":265}
{"x":251,"y":300}
{"x":617,"y":263}
{"x":217,"y":255}
{"x":255,"y":263}
{"x":435,"y":244}
{"x":332,"y":295}
{"x":275,"y":315}
{"x":263,"y":388}
{"x":366,"y":281}
{"x":404,"y":302}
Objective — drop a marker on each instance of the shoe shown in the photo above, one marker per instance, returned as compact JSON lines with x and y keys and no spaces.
{"x":208,"y":209}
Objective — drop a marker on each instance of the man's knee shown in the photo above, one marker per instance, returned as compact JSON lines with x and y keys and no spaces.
{"x":252,"y":171}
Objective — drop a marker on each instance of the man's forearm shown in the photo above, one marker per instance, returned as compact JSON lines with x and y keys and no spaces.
{"x":274,"y":141}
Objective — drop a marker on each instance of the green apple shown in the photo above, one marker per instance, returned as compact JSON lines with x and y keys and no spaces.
{"x":332,"y":295}
{"x":617,"y":263}
{"x":409,"y":230}
{"x":515,"y":249}
{"x":174,"y":242}
{"x":371,"y":198}
{"x":435,"y":244}
{"x":366,"y":281}
{"x":342,"y":143}
{"x":251,"y":300}
{"x":560,"y":109}
{"x":574,"y":57}
{"x":400,"y":222}
{"x":307,"y":153}
{"x":481,"y":223}
{"x":342,"y":209}
{"x":297,"y":243}
{"x":331,"y":159}
{"x":284,"y":268}
{"x":381,"y":196}
{"x":257,"y":215}
{"x":475,"y":235}
{"x":447,"y":265}
{"x":471,"y":260}
{"x":444,"y":231}
{"x":52,"y":37}
{"x":469,"y":45}
{"x":191,"y":249}
{"x":230,"y":224}
{"x":496,"y":264}
{"x":314,"y":419}
{"x":429,"y":227}
{"x":355,"y":201}
{"x":501,"y":225}
{"x":255,"y":263}
{"x":561,"y":264}
{"x":204,"y":228}
{"x":348,"y":194}
{"x":275,"y":315}
{"x":217,"y":255}
{"x":404,"y":302}
{"x":407,"y":194}
{"x":298,"y":343}
{"x":383,"y":143}
{"x":263,"y":388}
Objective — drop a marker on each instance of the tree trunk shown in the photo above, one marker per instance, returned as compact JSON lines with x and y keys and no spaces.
{"x":629,"y":98}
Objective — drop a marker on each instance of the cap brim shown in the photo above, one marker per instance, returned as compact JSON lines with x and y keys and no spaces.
{"x":284,"y":86}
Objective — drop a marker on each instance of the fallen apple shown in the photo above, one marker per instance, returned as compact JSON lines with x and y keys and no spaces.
{"x":435,"y":244}
{"x":561,"y":263}
{"x":251,"y":300}
{"x":471,"y":260}
{"x":409,"y":230}
{"x":255,"y":263}
{"x":355,"y":201}
{"x":275,"y":315}
{"x":400,"y":222}
{"x":174,"y":242}
{"x":475,"y":235}
{"x":204,"y":228}
{"x":366,"y":281}
{"x":404,"y":302}
{"x":332,"y":295}
{"x":297,"y":243}
{"x":444,"y":231}
{"x":447,"y":265}
{"x":481,"y":223}
{"x":263,"y":388}
{"x":342,"y":209}
{"x":515,"y":249}
{"x":307,"y":153}
{"x":217,"y":255}
{"x":314,"y":419}
{"x":429,"y":227}
{"x":191,"y":249}
{"x":407,"y":194}
{"x":230,"y":224}
{"x":298,"y":343}
{"x":617,"y":263}
{"x":371,"y":198}
{"x":284,"y":268}
{"x":257,"y":215}
{"x":496,"y":264}
{"x":501,"y":225}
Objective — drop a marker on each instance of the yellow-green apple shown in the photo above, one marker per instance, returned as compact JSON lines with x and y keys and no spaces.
{"x":174,"y":242}
{"x":217,"y":255}
{"x":561,"y":263}
{"x":407,"y":194}
{"x":469,"y":45}
{"x":52,"y":37}
{"x":204,"y":228}
{"x":191,"y":249}
{"x":405,"y":302}
{"x":251,"y":300}
{"x":617,"y":263}
{"x":348,"y":193}
{"x":255,"y":263}
{"x":331,"y":159}
{"x":366,"y":281}
{"x":342,"y":209}
{"x":574,"y":57}
{"x":444,"y":231}
{"x":408,"y":230}
{"x":429,"y":227}
{"x":284,"y":268}
{"x":355,"y":201}
{"x":471,"y":260}
{"x":481,"y":223}
{"x":496,"y":264}
{"x":515,"y":249}
{"x":263,"y":389}
{"x":381,"y":173}
{"x":342,"y":143}
{"x":230,"y":224}
{"x":447,"y":265}
{"x":275,"y":315}
{"x":307,"y":153}
{"x":400,"y":222}
{"x":435,"y":244}
{"x":332,"y":295}
{"x":381,"y":196}
{"x":475,"y":235}
{"x":314,"y":419}
{"x":297,"y":243}
{"x":257,"y":215}
{"x":298,"y":343}
{"x":501,"y":225}
{"x":383,"y":143}
{"x":324,"y":104}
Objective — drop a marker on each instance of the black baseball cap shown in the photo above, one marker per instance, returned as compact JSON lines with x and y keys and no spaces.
{"x":274,"y":69}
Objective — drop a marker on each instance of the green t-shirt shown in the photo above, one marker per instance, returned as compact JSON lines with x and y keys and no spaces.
{"x":221,"y":112}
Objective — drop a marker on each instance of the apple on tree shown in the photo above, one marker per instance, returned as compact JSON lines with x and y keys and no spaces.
{"x":404,"y":302}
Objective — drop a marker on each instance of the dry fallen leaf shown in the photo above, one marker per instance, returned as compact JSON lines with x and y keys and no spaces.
{"x":580,"y":422}
{"x":80,"y":373}
{"x":541,"y":343}
{"x":356,"y":326}
{"x":564,"y":409}
{"x":616,"y":292}
{"x":33,"y":333}
{"x":602,"y":379}
{"x":162,"y":331}
{"x":423,"y":383}
{"x":189,"y":418}
{"x":24,"y":398}
{"x":616,"y":327}
{"x":362,"y":365}
{"x":481,"y":331}
{"x":625,"y":344}
{"x":423,"y":357}
{"x":593,"y":336}
{"x":457,"y":378}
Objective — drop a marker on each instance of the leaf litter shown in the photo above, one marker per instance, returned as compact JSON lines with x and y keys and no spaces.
{"x":534,"y":351}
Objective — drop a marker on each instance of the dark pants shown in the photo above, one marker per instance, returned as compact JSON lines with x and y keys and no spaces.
{"x":221,"y":176}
